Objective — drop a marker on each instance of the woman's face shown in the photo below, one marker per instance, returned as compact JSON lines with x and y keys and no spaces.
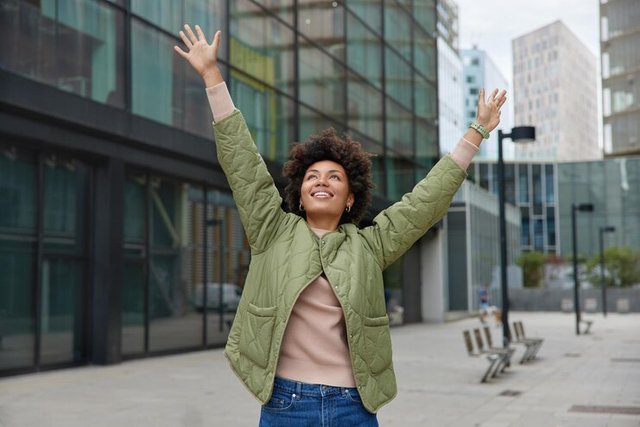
{"x":325,"y":190}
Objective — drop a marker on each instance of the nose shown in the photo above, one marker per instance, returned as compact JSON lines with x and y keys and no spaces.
{"x":321,"y":181}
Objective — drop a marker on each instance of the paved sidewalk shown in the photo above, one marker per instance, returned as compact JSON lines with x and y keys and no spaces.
{"x":438,"y":384}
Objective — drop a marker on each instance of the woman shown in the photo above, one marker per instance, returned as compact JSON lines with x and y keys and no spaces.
{"x":311,"y":336}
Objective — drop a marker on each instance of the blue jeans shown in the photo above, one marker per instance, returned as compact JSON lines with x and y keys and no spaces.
{"x":294,"y":403}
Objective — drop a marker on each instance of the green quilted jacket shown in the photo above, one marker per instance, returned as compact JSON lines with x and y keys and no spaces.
{"x":286,"y":256}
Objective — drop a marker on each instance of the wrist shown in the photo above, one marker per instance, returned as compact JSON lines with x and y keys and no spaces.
{"x":212,"y":77}
{"x":480,"y":128}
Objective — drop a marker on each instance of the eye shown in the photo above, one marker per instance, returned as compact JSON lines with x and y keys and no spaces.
{"x":311,"y":176}
{"x":335,"y":177}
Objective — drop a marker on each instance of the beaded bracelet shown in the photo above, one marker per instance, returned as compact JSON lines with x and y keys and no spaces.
{"x":481,"y":129}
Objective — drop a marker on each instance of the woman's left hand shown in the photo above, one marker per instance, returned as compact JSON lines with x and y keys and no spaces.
{"x":489,"y":109}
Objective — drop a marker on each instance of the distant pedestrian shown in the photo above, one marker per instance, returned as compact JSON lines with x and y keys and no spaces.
{"x":311,"y":335}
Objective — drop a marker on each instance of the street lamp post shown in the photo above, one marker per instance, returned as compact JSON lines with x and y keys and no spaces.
{"x":582,"y":207}
{"x":605,"y":229}
{"x":518,"y":134}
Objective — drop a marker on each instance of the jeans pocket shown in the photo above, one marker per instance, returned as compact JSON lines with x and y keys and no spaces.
{"x":351,"y":395}
{"x":280,"y":401}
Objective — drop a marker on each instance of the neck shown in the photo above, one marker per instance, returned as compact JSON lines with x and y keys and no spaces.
{"x":323,"y":222}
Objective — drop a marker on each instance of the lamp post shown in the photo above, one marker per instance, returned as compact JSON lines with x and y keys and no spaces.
{"x":605,"y":229}
{"x":582,"y":207}
{"x":518,"y":134}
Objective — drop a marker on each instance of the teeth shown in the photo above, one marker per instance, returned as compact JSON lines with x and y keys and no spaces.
{"x":320,"y":194}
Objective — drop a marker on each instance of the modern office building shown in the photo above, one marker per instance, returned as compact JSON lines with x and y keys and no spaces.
{"x":612,"y":186}
{"x":114,"y":213}
{"x":620,"y":56}
{"x":473,"y":248}
{"x":532,"y":187}
{"x":481,"y":72}
{"x":451,"y":119}
{"x":554,"y":88}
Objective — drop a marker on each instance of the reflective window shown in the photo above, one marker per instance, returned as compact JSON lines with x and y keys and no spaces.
{"x":397,"y":28}
{"x":269,"y":116}
{"x":164,"y":87}
{"x":74,"y":45}
{"x":399,"y":124}
{"x":312,"y":123}
{"x":424,"y":55}
{"x":281,"y":8}
{"x":322,"y":82}
{"x":509,"y":183}
{"x":368,"y":11}
{"x":365,"y":108}
{"x":18,"y":194}
{"x":171,"y":15}
{"x":537,"y":189}
{"x":426,"y":99}
{"x":551,"y":226}
{"x":424,"y":13}
{"x":549,"y":185}
{"x":400,"y":175}
{"x":523,"y":183}
{"x":323,"y":22}
{"x":525,"y":238}
{"x":261,"y":45}
{"x":426,"y":144}
{"x":398,"y":78}
{"x":364,"y":51}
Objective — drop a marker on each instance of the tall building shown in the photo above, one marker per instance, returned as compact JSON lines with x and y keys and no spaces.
{"x":114,"y":213}
{"x":620,"y":55}
{"x":554,"y":77}
{"x":451,"y":121}
{"x":481,"y":72}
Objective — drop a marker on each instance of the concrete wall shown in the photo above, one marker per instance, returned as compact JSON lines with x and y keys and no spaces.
{"x":618,"y":300}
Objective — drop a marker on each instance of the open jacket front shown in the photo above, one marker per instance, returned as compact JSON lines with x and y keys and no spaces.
{"x":286,"y":256}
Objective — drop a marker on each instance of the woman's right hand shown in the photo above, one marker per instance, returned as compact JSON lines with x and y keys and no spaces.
{"x":202,"y":56}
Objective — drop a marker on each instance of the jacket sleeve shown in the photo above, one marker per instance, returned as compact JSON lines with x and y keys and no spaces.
{"x":399,"y":226}
{"x":255,"y":194}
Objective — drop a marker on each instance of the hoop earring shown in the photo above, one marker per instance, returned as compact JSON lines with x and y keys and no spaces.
{"x":348,"y":209}
{"x":300,"y":207}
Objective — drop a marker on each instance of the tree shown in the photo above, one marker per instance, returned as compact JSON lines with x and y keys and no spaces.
{"x":622,"y":267}
{"x":532,"y":264}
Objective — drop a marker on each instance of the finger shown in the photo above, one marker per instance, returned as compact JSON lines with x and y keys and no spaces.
{"x":492,"y":97}
{"x":186,"y":40}
{"x":192,"y":36}
{"x":481,"y":97}
{"x":180,"y":52}
{"x":216,"y":40}
{"x":502,"y":102}
{"x":200,"y":33}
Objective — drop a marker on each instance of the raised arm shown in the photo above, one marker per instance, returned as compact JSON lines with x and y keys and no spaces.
{"x":398,"y":227}
{"x":257,"y":198}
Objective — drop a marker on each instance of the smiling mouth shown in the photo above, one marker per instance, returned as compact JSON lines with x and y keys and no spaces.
{"x":321,"y":195}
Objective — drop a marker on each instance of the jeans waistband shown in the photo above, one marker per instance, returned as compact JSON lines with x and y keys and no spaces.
{"x":306,"y":389}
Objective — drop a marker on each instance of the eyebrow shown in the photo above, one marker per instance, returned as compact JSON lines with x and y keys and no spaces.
{"x":331,"y":171}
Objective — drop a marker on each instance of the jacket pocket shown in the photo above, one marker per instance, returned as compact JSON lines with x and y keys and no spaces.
{"x":257,"y":331}
{"x":377,"y":343}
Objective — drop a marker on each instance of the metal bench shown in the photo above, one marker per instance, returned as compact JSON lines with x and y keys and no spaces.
{"x":587,"y":324}
{"x":532,"y":345}
{"x":504,"y":353}
{"x":494,"y":359}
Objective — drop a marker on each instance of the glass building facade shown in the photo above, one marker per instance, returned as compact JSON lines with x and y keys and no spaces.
{"x":115,"y":216}
{"x":533,"y":188}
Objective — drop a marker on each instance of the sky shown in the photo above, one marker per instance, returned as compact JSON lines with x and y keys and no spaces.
{"x":492,"y":24}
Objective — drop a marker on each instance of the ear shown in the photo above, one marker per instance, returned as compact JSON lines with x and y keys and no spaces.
{"x":350,"y":199}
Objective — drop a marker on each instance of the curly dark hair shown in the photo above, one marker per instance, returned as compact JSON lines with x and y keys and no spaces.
{"x":327,"y":145}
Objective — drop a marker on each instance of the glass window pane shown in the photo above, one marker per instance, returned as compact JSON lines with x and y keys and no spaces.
{"x":364,"y":51}
{"x":523,"y":183}
{"x":424,"y":51}
{"x":18,"y":171}
{"x":398,"y":78}
{"x":426,"y":144}
{"x":173,"y":319}
{"x":312,"y":123}
{"x":400,"y":175}
{"x":424,"y":13}
{"x":269,"y":116}
{"x":62,"y":304}
{"x":281,"y":8}
{"x":509,"y":183}
{"x":365,"y":108}
{"x":164,"y":87}
{"x":551,"y":226}
{"x":16,"y":302}
{"x":74,"y":45}
{"x":323,"y":22}
{"x":397,"y":29}
{"x":399,"y":121}
{"x":133,"y":306}
{"x":525,"y":239}
{"x":322,"y":82}
{"x":369,"y":11}
{"x":426,"y":96}
{"x":549,"y":184}
{"x":261,"y":46}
